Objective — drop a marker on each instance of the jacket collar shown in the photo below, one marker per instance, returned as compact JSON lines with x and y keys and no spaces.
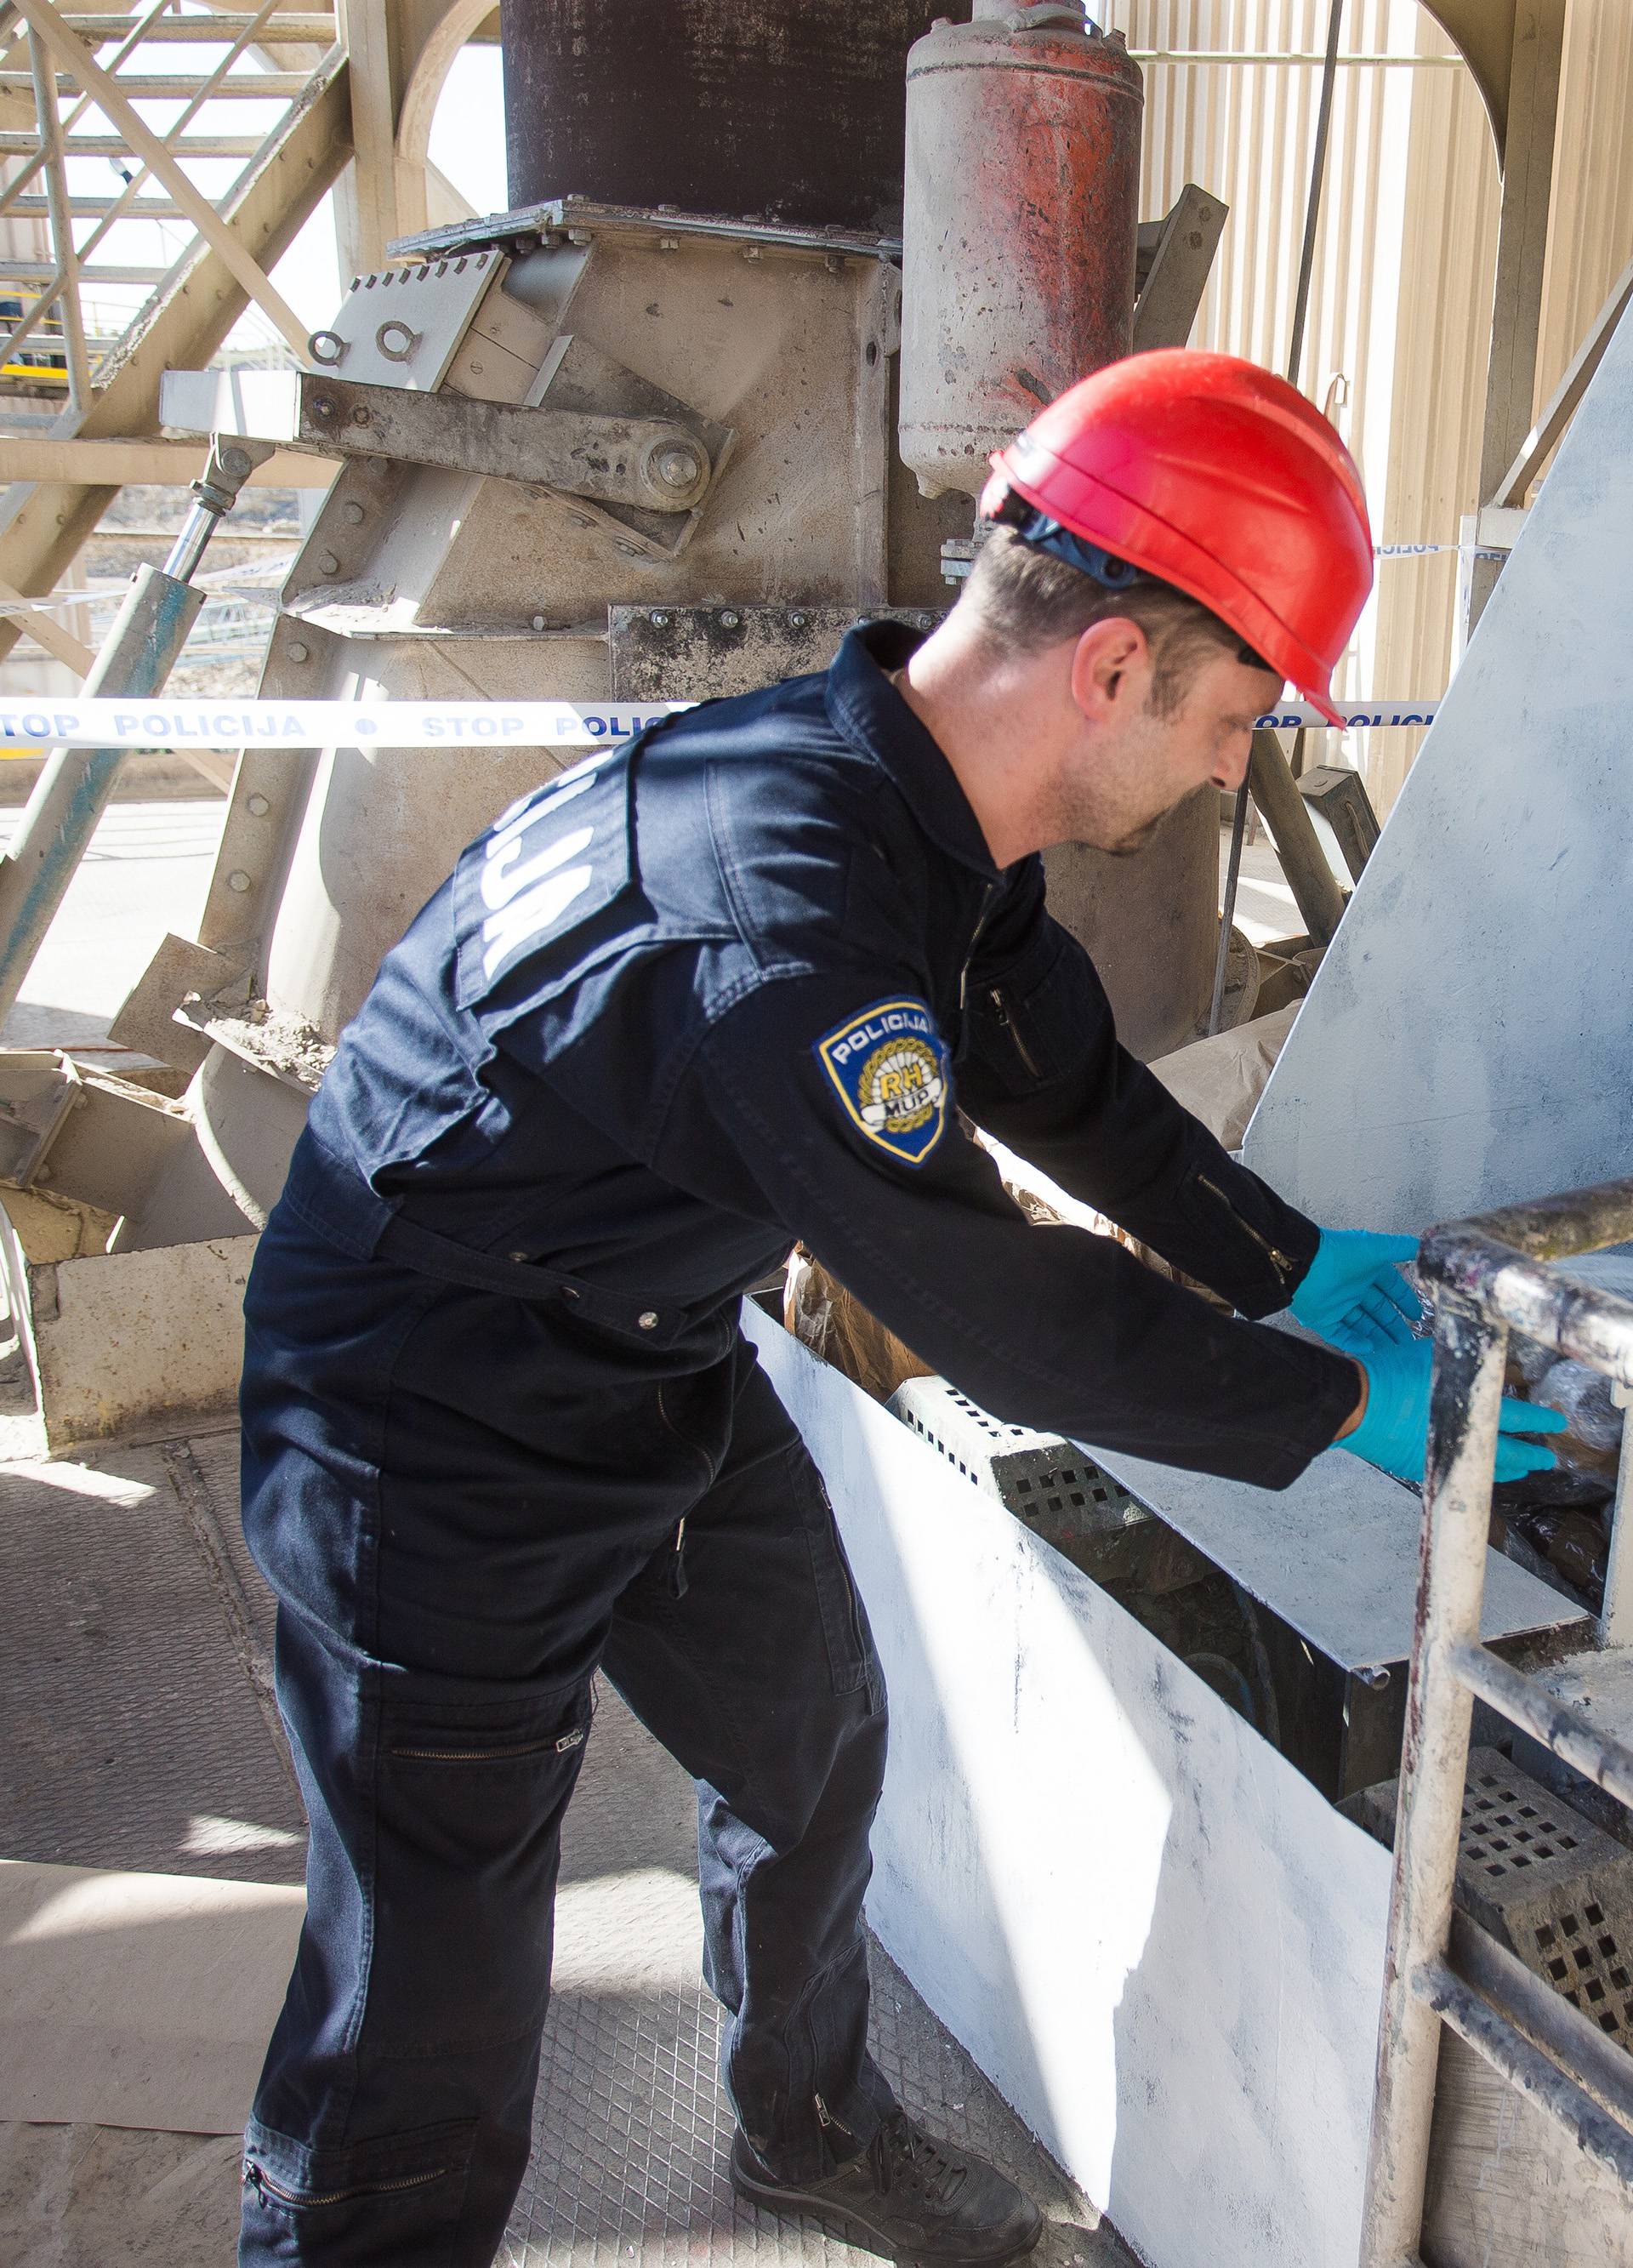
{"x":866,"y":708}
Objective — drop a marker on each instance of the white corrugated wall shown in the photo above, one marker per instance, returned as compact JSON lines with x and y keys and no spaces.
{"x":1399,"y":311}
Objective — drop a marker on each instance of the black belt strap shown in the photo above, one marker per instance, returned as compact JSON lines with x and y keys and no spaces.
{"x":428,"y":1254}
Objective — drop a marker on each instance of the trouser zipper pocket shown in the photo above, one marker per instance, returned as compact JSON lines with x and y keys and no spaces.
{"x":562,"y":1747}
{"x":257,"y":2178}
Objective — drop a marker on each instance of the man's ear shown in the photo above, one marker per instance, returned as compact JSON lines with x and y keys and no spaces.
{"x":1111,"y":665}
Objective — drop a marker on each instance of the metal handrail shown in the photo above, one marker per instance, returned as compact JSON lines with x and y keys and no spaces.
{"x":1488,"y":1275}
{"x":60,"y":287}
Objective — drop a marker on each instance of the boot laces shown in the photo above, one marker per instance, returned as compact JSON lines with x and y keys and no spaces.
{"x":906,"y":2159}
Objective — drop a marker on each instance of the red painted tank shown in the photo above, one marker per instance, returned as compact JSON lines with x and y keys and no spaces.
{"x":1023,"y":156}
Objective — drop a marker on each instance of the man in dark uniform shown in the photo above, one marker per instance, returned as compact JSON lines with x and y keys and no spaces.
{"x":686,"y":1002}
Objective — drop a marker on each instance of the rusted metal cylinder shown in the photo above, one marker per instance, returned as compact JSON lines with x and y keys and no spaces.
{"x":791,"y":109}
{"x":1023,"y":159}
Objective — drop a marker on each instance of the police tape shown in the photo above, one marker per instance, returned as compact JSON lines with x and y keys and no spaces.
{"x":109,"y":722}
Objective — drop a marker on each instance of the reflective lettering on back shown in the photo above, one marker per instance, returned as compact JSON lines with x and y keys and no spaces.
{"x":555,"y":858}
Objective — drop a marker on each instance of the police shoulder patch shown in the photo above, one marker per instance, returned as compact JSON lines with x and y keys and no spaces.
{"x":890,"y":1069}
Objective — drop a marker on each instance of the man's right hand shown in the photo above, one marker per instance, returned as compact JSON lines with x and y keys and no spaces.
{"x":1390,"y":1427}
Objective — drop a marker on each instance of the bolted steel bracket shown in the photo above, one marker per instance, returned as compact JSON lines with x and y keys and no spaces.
{"x":233,"y":458}
{"x":652,"y":462}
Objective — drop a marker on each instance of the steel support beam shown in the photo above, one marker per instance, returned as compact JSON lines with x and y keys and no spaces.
{"x":149,"y":464}
{"x":655,"y":463}
{"x":1527,"y":162}
{"x":367,"y":203}
{"x":1561,"y":407}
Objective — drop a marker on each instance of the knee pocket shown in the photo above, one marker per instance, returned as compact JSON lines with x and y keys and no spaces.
{"x":353,"y":2197}
{"x":469,"y":1813}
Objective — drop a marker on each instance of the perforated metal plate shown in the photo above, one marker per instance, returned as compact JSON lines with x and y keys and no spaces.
{"x":1562,"y":1889}
{"x":1543,"y":1881}
{"x":1047,"y":1481}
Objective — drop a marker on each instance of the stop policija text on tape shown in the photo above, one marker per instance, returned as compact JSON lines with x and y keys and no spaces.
{"x":112,"y":722}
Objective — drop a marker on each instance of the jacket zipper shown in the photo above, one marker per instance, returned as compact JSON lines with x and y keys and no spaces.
{"x":567,"y":1742}
{"x":1284,"y":1265}
{"x":988,"y":893}
{"x":1007,"y":1023}
{"x":677,"y":1566}
{"x":262,"y":2183}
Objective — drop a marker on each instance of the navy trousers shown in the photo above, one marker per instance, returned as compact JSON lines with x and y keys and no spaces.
{"x":465,"y":1509}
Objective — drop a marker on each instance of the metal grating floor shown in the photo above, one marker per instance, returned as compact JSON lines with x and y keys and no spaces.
{"x":134,"y":1731}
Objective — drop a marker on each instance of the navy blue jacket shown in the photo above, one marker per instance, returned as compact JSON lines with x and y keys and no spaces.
{"x":719,"y":990}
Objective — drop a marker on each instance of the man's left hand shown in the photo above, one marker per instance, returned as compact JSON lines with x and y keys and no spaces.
{"x":1355,"y":1269}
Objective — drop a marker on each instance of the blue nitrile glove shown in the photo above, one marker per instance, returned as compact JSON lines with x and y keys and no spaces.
{"x":1394,"y":1432}
{"x":1353,"y":1269}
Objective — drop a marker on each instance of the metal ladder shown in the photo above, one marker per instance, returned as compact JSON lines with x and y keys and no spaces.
{"x":1487,"y":1276}
{"x":72,"y":77}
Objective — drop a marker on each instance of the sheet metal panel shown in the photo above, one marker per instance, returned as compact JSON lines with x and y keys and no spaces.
{"x":1465,"y":1044}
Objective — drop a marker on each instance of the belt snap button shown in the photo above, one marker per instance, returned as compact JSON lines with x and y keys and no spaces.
{"x":649,"y":1321}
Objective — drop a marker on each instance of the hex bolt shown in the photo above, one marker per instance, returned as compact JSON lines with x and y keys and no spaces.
{"x":257,"y":806}
{"x":538,"y":621}
{"x":797,"y":621}
{"x":360,"y":416}
{"x":729,"y":621}
{"x":678,"y":467}
{"x":329,"y":563}
{"x":238,"y":880}
{"x":323,"y":408}
{"x":354,"y":513}
{"x":629,"y":550}
{"x":298,"y":651}
{"x":658,"y":620}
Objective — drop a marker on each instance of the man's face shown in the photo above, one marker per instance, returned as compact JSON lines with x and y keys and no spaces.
{"x":1131,"y":764}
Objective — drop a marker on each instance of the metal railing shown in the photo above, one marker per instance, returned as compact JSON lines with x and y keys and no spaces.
{"x":1487,"y":1276}
{"x":101,"y":90}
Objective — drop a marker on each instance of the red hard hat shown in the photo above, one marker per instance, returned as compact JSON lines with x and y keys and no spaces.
{"x":1217,"y":477}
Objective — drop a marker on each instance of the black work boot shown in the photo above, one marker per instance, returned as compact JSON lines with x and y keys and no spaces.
{"x":906,"y":2195}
